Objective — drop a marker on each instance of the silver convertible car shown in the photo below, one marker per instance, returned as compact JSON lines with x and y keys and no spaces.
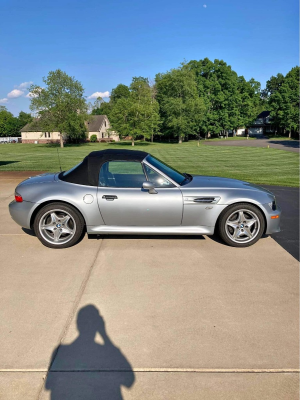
{"x":132,"y":192}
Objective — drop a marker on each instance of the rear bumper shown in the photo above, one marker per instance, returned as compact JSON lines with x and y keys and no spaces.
{"x":273,"y":224}
{"x":21,"y":212}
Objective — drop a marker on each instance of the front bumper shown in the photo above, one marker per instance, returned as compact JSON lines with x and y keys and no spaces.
{"x":21,"y":212}
{"x":273,"y":224}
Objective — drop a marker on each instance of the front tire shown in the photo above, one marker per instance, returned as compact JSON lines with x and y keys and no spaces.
{"x":241,"y":225}
{"x":58,"y":225}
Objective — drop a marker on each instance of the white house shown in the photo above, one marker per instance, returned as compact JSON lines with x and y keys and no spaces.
{"x":99,"y":125}
{"x":96,"y":125}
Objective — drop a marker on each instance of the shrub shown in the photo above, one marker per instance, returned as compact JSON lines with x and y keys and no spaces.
{"x":93,"y":138}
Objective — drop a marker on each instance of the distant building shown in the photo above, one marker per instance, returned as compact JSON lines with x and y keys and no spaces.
{"x":97,"y":125}
{"x":262,"y":125}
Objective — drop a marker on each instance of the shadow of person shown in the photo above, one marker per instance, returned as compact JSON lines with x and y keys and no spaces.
{"x":86,"y":369}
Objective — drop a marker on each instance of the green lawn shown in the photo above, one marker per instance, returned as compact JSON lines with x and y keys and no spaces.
{"x":256,"y":165}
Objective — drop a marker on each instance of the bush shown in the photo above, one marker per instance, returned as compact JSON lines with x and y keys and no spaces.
{"x":93,"y":138}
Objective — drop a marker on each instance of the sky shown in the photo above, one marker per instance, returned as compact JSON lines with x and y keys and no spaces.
{"x":104,"y":43}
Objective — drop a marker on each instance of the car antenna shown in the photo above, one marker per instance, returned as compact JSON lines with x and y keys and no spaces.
{"x":58,"y":159}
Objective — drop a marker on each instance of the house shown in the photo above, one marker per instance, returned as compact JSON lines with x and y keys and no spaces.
{"x":99,"y":125}
{"x":96,"y":125}
{"x":261,"y":125}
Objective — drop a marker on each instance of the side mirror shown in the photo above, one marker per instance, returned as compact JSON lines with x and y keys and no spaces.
{"x":150,"y":187}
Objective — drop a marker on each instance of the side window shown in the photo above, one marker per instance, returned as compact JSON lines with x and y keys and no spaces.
{"x":122,"y":174}
{"x":156,"y":178}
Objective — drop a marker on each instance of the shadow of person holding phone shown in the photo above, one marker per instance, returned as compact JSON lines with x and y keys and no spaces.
{"x":86,"y":369}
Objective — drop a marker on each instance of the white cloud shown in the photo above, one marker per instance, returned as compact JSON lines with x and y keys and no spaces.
{"x":99,"y":94}
{"x":30,"y":95}
{"x":24,"y":85}
{"x":15,"y":93}
{"x":204,"y":5}
{"x":2,"y":101}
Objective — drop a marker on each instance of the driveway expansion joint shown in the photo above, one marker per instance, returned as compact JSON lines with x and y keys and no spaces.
{"x":71,"y":315}
{"x":188,"y":370}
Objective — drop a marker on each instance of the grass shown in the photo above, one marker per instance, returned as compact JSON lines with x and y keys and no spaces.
{"x":252,"y":164}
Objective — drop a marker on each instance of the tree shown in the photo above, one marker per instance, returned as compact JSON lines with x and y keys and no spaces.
{"x":24,"y":119}
{"x":231,"y":102}
{"x":9,"y":125}
{"x":119,"y":92}
{"x":101,"y":107}
{"x":75,"y":128}
{"x":284,"y":102}
{"x":250,"y":104}
{"x":136,"y":114}
{"x":181,"y":107}
{"x":59,"y":101}
{"x":274,"y":84}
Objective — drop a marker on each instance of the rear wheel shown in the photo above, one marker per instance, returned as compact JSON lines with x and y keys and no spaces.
{"x":241,"y":225}
{"x":58,"y":225}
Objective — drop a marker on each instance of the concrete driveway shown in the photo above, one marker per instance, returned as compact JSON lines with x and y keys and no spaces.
{"x":145,"y":318}
{"x":288,"y":145}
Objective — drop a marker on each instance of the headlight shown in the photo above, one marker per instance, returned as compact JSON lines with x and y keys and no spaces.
{"x":273,"y":205}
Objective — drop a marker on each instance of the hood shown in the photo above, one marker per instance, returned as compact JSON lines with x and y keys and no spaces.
{"x":215,"y":182}
{"x":48,"y":177}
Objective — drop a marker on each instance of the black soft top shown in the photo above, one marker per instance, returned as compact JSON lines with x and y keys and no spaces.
{"x":87,"y":173}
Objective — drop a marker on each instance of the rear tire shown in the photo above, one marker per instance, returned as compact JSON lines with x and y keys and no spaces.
{"x":241,"y":225}
{"x":58,"y":225}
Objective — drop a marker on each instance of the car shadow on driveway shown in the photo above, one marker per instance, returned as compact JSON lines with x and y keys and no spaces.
{"x":85,"y":368}
{"x":29,"y":232}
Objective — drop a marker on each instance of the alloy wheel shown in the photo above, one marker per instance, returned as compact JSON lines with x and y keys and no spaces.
{"x":57,"y":227}
{"x":242,"y":226}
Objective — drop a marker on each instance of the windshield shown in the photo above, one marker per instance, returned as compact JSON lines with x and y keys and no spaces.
{"x":171,"y":172}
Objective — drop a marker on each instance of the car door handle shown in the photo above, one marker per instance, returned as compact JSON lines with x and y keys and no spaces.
{"x":109,"y":197}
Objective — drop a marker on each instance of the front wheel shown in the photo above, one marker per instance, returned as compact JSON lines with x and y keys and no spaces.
{"x":241,"y":225}
{"x":58,"y":225}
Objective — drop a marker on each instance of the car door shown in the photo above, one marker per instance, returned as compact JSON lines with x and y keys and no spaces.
{"x":123,"y":201}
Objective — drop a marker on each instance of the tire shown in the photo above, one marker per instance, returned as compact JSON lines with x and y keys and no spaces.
{"x":241,"y":225}
{"x":58,"y":225}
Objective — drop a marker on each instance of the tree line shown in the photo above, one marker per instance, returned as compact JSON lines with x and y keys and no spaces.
{"x":10,"y":125}
{"x":199,"y":98}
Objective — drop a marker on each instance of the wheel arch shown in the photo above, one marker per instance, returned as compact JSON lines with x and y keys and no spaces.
{"x":45,"y":203}
{"x":244,"y":202}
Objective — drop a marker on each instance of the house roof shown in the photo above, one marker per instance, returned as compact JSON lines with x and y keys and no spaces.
{"x":32,"y":127}
{"x":264,"y":114}
{"x":93,"y":124}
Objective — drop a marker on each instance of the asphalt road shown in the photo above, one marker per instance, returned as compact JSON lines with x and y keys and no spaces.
{"x":288,"y":145}
{"x":288,"y":199}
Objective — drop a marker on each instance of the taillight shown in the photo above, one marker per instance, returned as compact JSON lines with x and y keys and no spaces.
{"x":18,"y":198}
